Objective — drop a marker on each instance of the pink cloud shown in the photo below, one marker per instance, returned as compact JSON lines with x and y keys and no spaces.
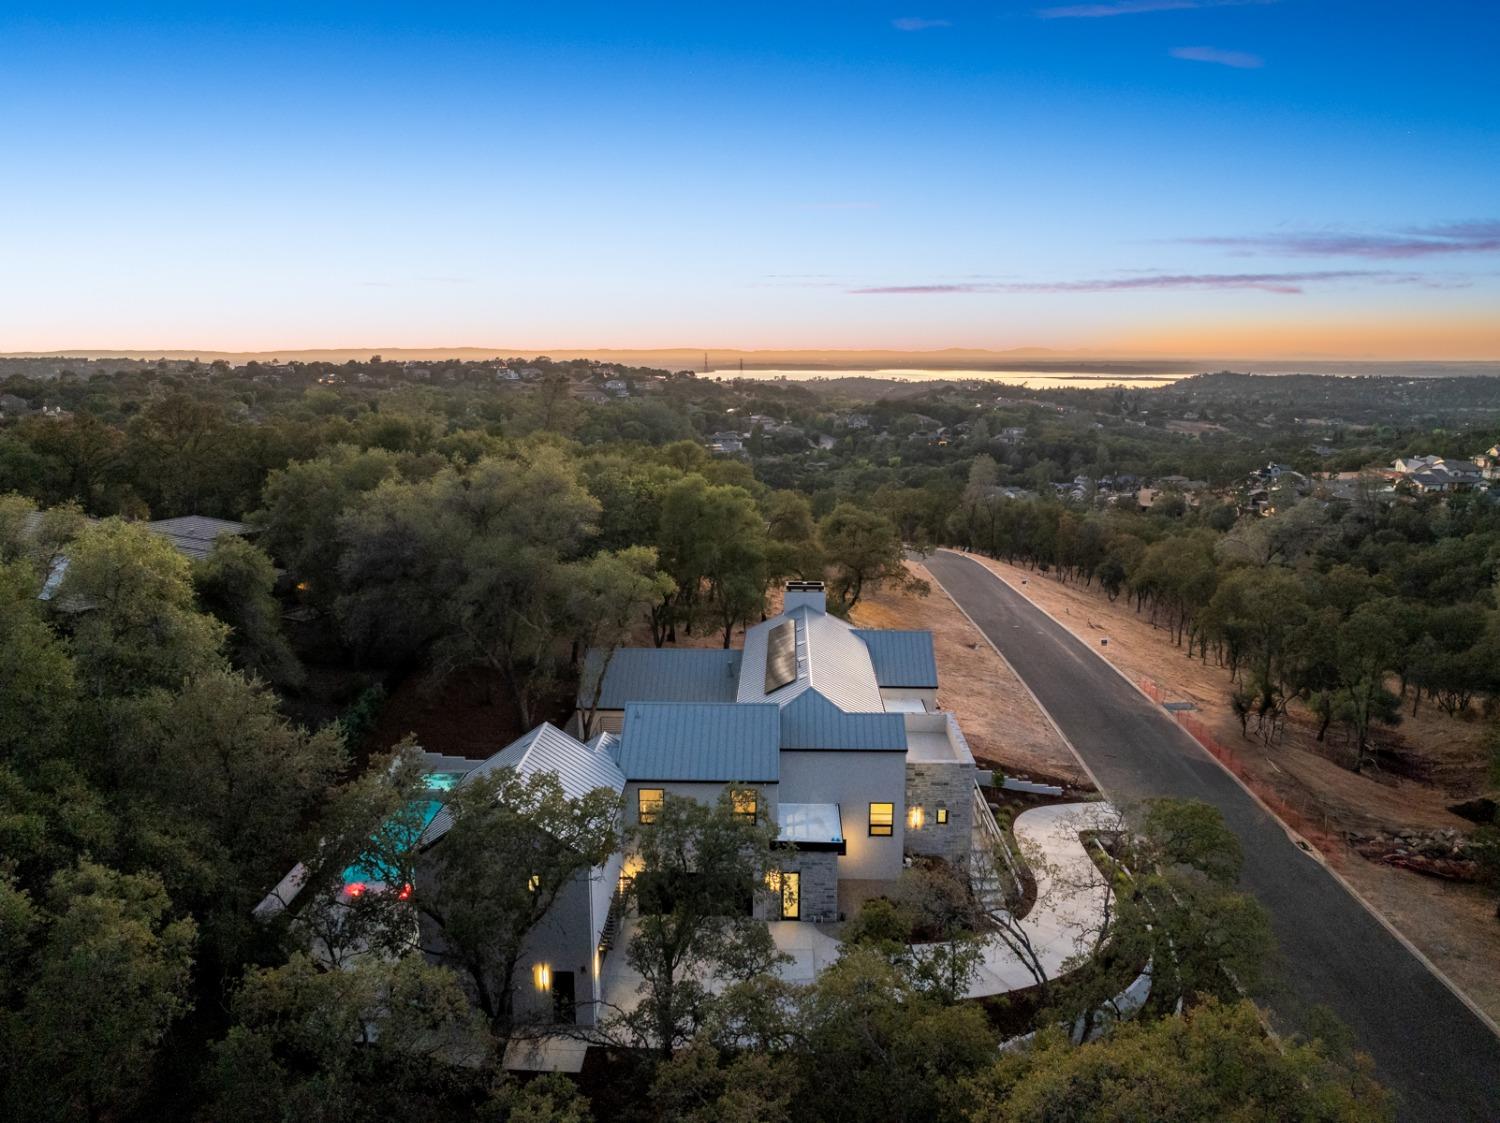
{"x":1285,"y":283}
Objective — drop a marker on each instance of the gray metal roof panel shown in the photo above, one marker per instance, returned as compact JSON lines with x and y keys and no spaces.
{"x":648,"y":674}
{"x":813,"y":722}
{"x":712,"y":742}
{"x":546,"y":748}
{"x":901,"y":658}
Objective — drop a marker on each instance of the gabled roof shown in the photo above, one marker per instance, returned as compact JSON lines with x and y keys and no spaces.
{"x":901,"y":658}
{"x":648,"y":674}
{"x":811,"y":721}
{"x":713,"y":742}
{"x":831,"y":659}
{"x":546,"y":748}
{"x":194,"y":534}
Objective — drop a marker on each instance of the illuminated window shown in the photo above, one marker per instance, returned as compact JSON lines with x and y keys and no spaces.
{"x":942,"y":814}
{"x":882,"y":820}
{"x":649,"y":806}
{"x":745,"y":802}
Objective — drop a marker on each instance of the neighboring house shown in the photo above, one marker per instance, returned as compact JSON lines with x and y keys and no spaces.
{"x":194,"y":535}
{"x":726,"y":442}
{"x":618,"y":387}
{"x":13,"y":405}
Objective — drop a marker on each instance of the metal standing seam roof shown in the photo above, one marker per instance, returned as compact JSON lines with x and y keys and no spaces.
{"x":194,"y":534}
{"x":546,"y":748}
{"x":813,"y":722}
{"x":901,"y":658}
{"x":831,"y":659}
{"x":648,"y":674}
{"x":715,"y":742}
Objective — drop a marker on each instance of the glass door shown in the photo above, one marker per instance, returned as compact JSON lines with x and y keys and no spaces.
{"x":791,"y":896}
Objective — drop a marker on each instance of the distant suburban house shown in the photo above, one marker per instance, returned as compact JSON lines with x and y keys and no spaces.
{"x":725,"y":442}
{"x":1012,"y":434}
{"x":617,"y":387}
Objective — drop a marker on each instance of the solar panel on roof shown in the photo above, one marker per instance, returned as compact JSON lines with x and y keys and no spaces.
{"x":781,"y":655}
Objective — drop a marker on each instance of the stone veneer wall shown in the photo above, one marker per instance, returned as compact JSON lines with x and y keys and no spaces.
{"x":820,"y":885}
{"x":950,"y":783}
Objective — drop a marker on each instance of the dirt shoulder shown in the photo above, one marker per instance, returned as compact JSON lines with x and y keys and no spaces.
{"x":1453,"y":924}
{"x":1005,"y":728}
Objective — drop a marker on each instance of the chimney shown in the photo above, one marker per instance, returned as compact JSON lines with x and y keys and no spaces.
{"x":809,"y":594}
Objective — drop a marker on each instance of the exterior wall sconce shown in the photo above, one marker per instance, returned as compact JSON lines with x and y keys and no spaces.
{"x":541,"y":974}
{"x":915,"y":817}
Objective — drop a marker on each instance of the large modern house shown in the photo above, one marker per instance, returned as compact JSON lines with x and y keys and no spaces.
{"x":827,"y":730}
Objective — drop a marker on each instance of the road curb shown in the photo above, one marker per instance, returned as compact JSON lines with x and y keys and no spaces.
{"x":1302,"y":844}
{"x":1089,"y":772}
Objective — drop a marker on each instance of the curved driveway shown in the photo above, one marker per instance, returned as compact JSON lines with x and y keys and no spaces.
{"x":1439,"y":1058}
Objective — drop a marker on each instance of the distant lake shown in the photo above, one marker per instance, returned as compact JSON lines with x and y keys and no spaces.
{"x":1034,"y":379}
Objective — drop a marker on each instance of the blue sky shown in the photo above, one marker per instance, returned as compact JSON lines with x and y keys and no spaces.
{"x":1166,"y":176}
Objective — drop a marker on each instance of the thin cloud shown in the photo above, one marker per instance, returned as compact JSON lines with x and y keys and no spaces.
{"x":1138,"y":7}
{"x":1475,"y":236}
{"x":1240,"y":60}
{"x":918,"y":23}
{"x":1284,"y":283}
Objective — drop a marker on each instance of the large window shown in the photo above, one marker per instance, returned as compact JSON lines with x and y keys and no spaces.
{"x":649,"y":806}
{"x":746,"y":802}
{"x":882,"y":820}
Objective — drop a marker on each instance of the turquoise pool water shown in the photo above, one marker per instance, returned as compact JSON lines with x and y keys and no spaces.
{"x":368,"y":870}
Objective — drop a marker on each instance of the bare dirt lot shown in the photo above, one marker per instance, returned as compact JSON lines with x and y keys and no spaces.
{"x":1432,"y":761}
{"x":1004,"y":727}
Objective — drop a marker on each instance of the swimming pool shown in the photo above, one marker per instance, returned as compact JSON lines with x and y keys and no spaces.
{"x":367,"y":872}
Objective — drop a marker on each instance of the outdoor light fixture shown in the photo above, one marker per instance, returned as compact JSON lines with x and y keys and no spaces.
{"x":914,"y":817}
{"x":542,"y":974}
{"x":535,"y":883}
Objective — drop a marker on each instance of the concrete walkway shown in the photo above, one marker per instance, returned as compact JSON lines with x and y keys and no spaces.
{"x":1072,"y":894}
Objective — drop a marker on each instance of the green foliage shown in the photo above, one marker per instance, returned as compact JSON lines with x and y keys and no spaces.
{"x":697,"y":869}
{"x":379,"y":1040}
{"x":516,"y":843}
{"x":1217,"y":1062}
{"x":129,"y":601}
{"x":864,"y":553}
{"x":234,"y":585}
{"x":108,"y":975}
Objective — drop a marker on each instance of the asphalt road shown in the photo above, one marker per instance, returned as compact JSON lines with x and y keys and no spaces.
{"x":1440,"y":1059}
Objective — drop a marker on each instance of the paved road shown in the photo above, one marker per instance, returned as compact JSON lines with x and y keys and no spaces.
{"x":1441,"y":1060}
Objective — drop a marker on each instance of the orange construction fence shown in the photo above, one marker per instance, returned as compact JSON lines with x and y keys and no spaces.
{"x":1327,"y":842}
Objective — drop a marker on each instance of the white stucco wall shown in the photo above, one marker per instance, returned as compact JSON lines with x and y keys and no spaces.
{"x":853,"y":779}
{"x":702,"y":792}
{"x":564,"y":941}
{"x":928,"y":698}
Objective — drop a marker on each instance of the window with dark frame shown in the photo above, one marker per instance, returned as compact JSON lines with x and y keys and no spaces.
{"x":942,"y":813}
{"x":746,"y":803}
{"x":882,"y":820}
{"x":648,"y":806}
